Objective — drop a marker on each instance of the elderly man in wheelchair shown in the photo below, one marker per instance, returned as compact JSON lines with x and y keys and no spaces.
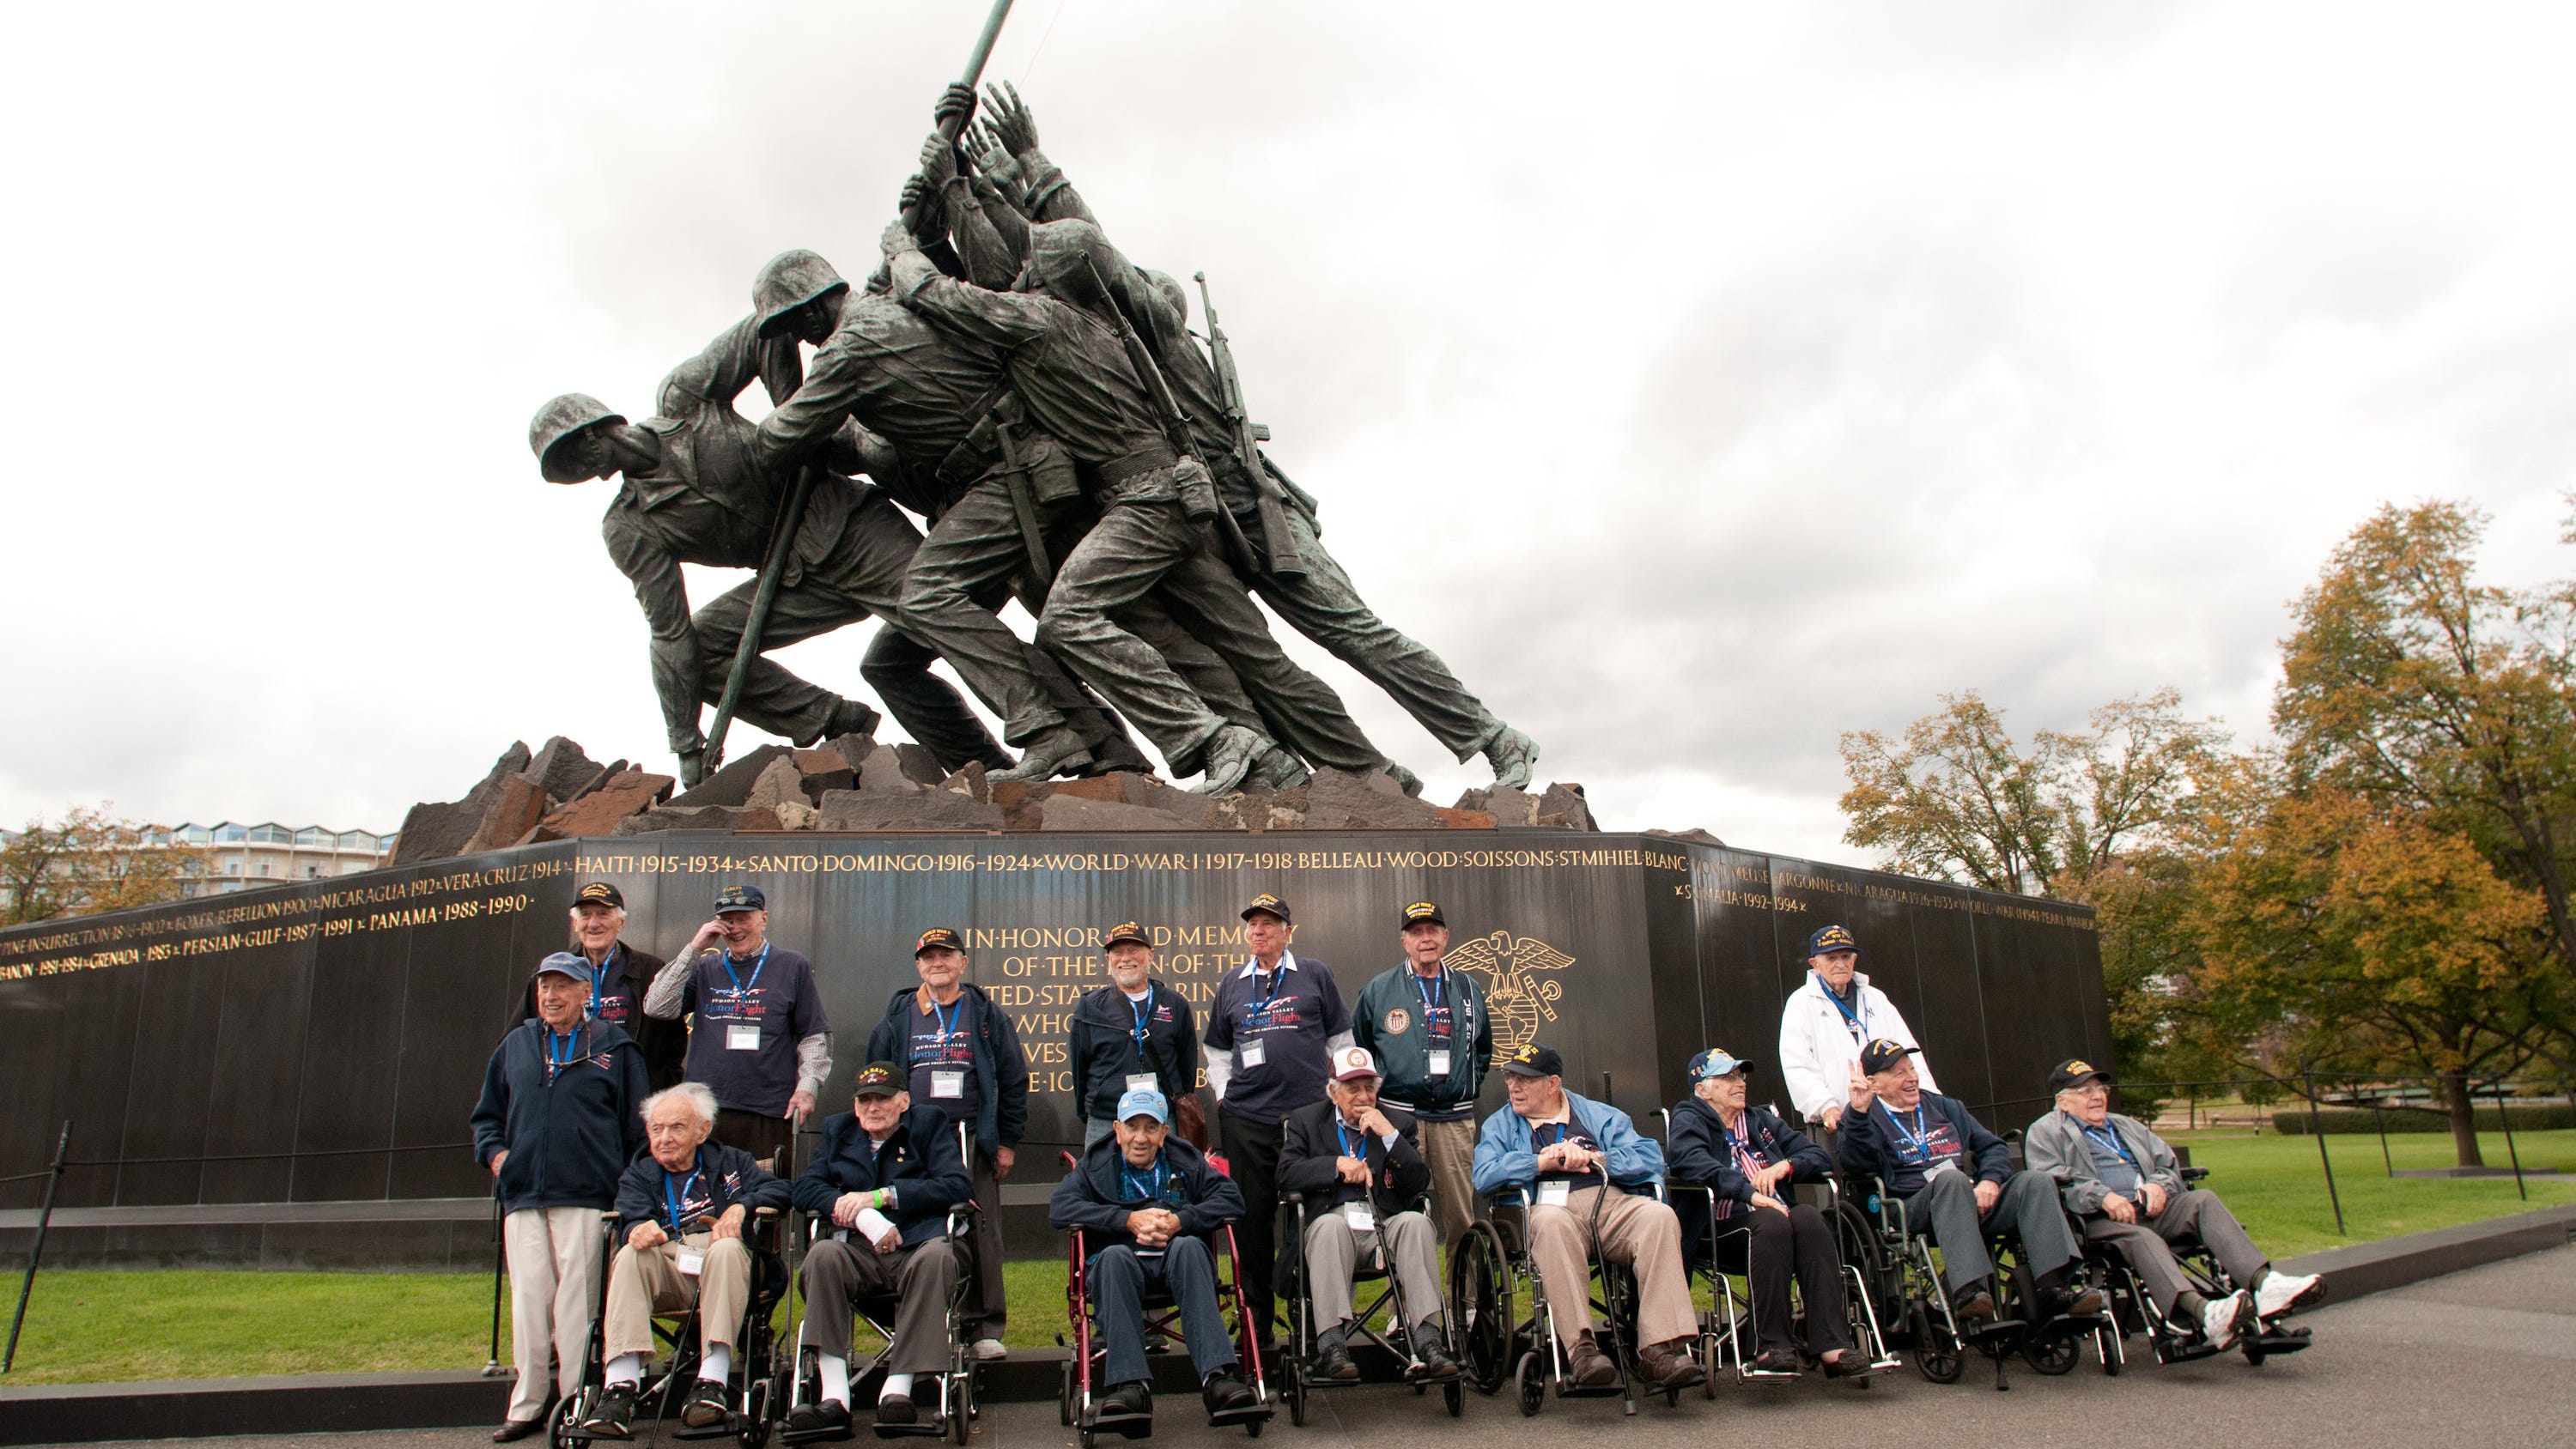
{"x":1359,"y":1171}
{"x":883,"y":1185}
{"x":2128,"y":1190}
{"x":1590,"y":1181}
{"x":1957,"y":1177}
{"x":1746,"y":1159}
{"x":1144,"y":1205}
{"x":681,"y":1211}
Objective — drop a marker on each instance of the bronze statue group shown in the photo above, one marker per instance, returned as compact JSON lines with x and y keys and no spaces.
{"x":641,"y":1127}
{"x":1007,"y":407}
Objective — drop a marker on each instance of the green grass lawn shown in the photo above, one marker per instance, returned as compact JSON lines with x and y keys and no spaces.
{"x":89,"y":1327}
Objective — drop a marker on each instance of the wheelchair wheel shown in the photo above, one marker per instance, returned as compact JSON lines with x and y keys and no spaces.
{"x":1480,"y":1305}
{"x":1252,"y":1428}
{"x":1937,"y":1356}
{"x":1293,"y":1389}
{"x":1455,"y":1397}
{"x":1533,"y":1385}
{"x":569,"y":1412}
{"x":2253,"y":1348}
{"x":2114,"y":1352}
{"x":755,"y":1414}
{"x":1064,"y":1397}
{"x":2052,"y":1353}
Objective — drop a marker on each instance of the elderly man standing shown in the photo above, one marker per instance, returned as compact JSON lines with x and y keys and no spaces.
{"x":1428,"y":1025}
{"x":1363,"y":1177}
{"x":1584,"y":1166}
{"x":761,"y":1041}
{"x":1829,"y":1018}
{"x":555,"y":1127}
{"x":1271,"y":1032}
{"x":1147,"y":1204}
{"x":681,"y":1210}
{"x":619,"y":977}
{"x":1953,"y":1174}
{"x":963,"y":1061}
{"x":2125,"y":1185}
{"x":1133,"y":1034}
{"x":886,"y":1178}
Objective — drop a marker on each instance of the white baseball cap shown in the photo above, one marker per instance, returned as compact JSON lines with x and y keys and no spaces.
{"x":1353,"y":1062}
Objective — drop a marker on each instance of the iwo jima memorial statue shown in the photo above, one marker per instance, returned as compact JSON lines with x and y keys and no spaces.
{"x":1005,"y":405}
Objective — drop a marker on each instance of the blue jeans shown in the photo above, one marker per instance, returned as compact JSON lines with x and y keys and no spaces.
{"x":1120,"y":1278}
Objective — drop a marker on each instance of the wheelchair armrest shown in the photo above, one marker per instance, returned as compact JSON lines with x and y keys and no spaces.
{"x":2191,"y":1175}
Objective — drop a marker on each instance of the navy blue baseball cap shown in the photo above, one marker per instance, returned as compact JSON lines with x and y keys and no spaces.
{"x":1883,"y":1053}
{"x":1829,"y":939}
{"x":1535,"y":1060}
{"x":1716,"y":1062}
{"x":740,"y":898}
{"x":565,"y":963}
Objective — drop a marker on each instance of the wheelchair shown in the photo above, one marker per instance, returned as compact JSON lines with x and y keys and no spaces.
{"x":1296,"y":1368}
{"x":2134,"y":1312}
{"x":751,"y":1390}
{"x":1078,"y":1400}
{"x":1901,"y":1269}
{"x":1729,"y":1334}
{"x":956,"y":1409}
{"x":1490,"y":1268}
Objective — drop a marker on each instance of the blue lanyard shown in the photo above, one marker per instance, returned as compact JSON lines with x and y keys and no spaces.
{"x":1432,"y":1000}
{"x":948,"y":1023}
{"x":1344,"y":1134}
{"x":2111,"y":1139}
{"x":1260,"y":1009}
{"x":673,"y":1198}
{"x":599,"y":978}
{"x":1919,"y":1138}
{"x":1141,"y":1008}
{"x":1135,"y":1183}
{"x":560,"y":1053}
{"x":740,"y":990}
{"x":1857,"y":1021}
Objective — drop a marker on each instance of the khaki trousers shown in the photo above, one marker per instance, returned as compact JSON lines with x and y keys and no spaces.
{"x":1450,"y":1149}
{"x":554,"y":1279}
{"x":1637,"y":1231}
{"x":648,"y":1281}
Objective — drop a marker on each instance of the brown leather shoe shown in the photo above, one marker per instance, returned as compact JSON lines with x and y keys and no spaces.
{"x":1669,"y":1365}
{"x":1592,"y":1368}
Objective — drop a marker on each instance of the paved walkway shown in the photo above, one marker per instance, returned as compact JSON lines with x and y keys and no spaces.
{"x":2486,"y":1357}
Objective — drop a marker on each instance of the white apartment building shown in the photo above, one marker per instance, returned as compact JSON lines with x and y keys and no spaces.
{"x":243,"y":857}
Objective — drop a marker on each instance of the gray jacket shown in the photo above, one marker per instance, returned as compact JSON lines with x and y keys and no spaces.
{"x":2055,"y":1145}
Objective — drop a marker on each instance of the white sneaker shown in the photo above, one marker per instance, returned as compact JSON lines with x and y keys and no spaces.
{"x":2218,"y":1320}
{"x":2280,"y":1292}
{"x":989,"y":1349}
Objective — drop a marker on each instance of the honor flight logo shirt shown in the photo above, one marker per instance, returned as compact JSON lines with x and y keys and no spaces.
{"x":1279,"y":1025}
{"x":750,"y":1015}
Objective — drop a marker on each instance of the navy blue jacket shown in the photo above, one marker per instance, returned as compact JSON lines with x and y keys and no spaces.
{"x":725,"y":1176}
{"x":1001,"y":1068}
{"x":1102,"y":1044}
{"x":1696,"y":1154}
{"x":569,"y":1132}
{"x":1869,"y":1142}
{"x":1092,"y":1198}
{"x":920,"y":1161}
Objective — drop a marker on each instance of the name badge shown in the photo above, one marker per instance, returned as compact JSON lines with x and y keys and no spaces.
{"x":1553,"y":1194}
{"x":1440,"y":1063}
{"x":947,"y":1085}
{"x":1357,"y":1214}
{"x":1143,"y":1082}
{"x":1252,"y":1054}
{"x":742,"y":1037}
{"x":1937,"y":1166}
{"x":688,"y":1260}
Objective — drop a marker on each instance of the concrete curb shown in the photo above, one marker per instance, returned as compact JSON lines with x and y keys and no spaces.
{"x":327,"y":1403}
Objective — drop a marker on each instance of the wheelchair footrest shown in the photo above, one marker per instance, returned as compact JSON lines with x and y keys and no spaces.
{"x":728,"y":1428}
{"x":841,"y":1435}
{"x":927,"y":1429}
{"x":2283,"y":1340}
{"x":1257,"y":1413}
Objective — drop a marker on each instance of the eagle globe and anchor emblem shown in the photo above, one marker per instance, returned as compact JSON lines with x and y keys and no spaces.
{"x":1520,"y":990}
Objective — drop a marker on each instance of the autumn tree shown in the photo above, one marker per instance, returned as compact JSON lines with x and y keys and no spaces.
{"x":2427,"y":693}
{"x":90,"y":860}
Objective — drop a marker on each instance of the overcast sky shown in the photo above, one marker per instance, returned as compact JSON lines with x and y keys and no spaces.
{"x":1701,"y":380}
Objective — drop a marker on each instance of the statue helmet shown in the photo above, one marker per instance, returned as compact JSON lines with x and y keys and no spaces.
{"x":559,"y":419}
{"x":789,"y":281}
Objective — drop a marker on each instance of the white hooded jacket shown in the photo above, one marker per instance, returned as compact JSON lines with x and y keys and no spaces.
{"x":1819,"y":1045}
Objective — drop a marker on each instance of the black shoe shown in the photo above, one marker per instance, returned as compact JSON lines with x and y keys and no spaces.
{"x":1333,"y":1357}
{"x":2064,"y":1302}
{"x":1776,"y":1361}
{"x":613,"y":1417}
{"x":1975,"y":1304}
{"x":1225,"y":1391}
{"x":514,"y":1430}
{"x":895,"y":1409}
{"x":705,"y":1407}
{"x":823,"y":1416}
{"x":1852,"y":1364}
{"x":1432,"y":1354}
{"x":1131,"y":1400}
